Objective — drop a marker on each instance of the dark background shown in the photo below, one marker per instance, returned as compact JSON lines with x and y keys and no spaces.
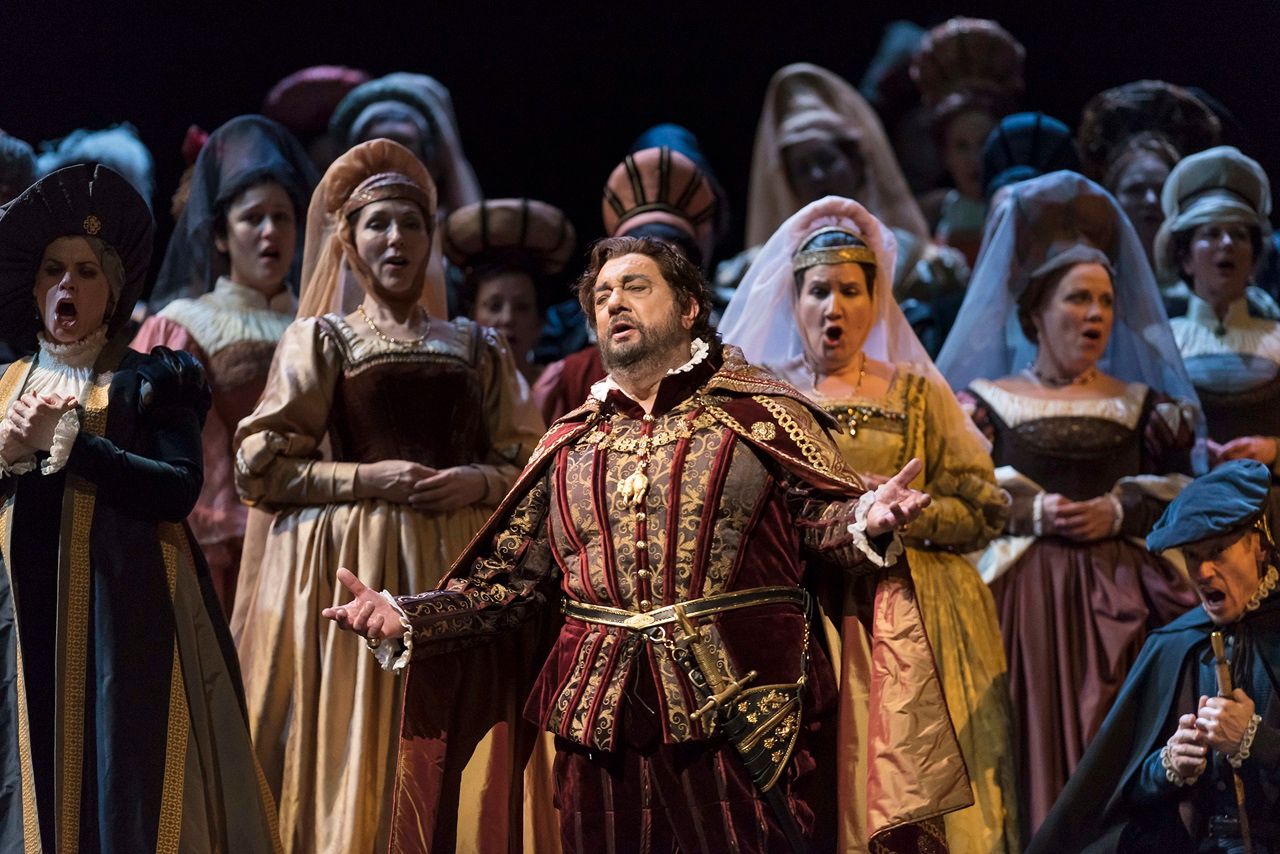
{"x":550,"y":94}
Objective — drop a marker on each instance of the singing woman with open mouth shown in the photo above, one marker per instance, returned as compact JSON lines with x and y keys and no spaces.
{"x":817,"y":309}
{"x":226,"y":292}
{"x":1069,"y":362}
{"x":124,"y":724}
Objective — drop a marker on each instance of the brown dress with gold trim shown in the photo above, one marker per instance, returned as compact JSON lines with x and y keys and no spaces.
{"x":324,"y":716}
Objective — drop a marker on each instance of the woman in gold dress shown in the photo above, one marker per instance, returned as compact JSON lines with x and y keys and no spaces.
{"x":383,"y":440}
{"x":831,"y":327}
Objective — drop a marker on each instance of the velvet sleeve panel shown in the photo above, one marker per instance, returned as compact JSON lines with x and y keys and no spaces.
{"x":161,"y":478}
{"x":278,"y":457}
{"x":1167,"y":436}
{"x":1167,"y":443}
{"x":504,"y":586}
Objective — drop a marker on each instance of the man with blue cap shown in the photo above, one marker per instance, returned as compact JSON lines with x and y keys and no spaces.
{"x":1188,"y":760}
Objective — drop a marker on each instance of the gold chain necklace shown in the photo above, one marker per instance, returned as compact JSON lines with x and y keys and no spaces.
{"x":862,"y":374}
{"x":398,"y":342}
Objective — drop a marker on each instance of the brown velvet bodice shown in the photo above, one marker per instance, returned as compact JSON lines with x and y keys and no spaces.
{"x":421,"y":405}
{"x":422,"y":408}
{"x":1080,"y":457}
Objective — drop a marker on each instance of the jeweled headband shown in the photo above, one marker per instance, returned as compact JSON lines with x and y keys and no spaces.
{"x":388,"y":185}
{"x":807,"y":258}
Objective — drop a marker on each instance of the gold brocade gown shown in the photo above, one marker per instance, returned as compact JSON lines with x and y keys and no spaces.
{"x":968,"y":510}
{"x":325,"y":718}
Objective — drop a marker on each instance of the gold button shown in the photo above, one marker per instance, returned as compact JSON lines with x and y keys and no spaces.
{"x":641,"y":516}
{"x":640,"y":544}
{"x":645,"y":604}
{"x":648,"y":416}
{"x":644,"y":573}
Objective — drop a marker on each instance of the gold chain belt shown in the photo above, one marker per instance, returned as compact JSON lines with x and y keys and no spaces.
{"x":693,"y":609}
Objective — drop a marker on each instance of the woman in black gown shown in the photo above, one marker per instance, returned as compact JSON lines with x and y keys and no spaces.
{"x":123,"y":726}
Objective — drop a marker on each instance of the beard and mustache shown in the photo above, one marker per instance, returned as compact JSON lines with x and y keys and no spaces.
{"x":650,"y":347}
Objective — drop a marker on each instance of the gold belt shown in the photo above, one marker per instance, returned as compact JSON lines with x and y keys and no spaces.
{"x":693,"y":609}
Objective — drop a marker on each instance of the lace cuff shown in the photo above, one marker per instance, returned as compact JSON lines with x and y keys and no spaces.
{"x":1171,"y":774}
{"x":394,"y":655}
{"x":1246,"y":743}
{"x":858,"y":530}
{"x":18,"y":467}
{"x":64,"y":437}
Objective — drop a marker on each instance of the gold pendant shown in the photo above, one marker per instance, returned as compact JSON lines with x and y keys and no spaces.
{"x":633,"y":487}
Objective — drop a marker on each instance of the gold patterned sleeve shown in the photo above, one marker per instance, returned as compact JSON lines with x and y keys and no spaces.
{"x":278,"y":458}
{"x":505,"y":586}
{"x":968,"y":509}
{"x":514,"y":423}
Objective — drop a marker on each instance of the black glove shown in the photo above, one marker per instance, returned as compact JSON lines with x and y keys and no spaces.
{"x":173,"y":378}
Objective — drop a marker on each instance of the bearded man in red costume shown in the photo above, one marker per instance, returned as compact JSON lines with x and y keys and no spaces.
{"x":663,"y":590}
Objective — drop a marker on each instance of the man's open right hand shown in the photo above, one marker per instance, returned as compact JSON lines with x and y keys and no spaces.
{"x":368,"y":614}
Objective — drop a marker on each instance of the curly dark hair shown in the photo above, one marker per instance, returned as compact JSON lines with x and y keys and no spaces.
{"x":681,"y":274}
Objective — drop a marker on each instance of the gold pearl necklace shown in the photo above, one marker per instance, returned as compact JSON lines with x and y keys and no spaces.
{"x":397,"y":342}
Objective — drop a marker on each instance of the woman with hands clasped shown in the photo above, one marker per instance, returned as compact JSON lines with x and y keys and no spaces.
{"x":420,"y":416}
{"x":1072,"y":372}
{"x":123,"y":724}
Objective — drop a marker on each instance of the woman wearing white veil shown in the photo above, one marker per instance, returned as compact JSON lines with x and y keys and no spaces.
{"x":817,"y":308}
{"x":1069,"y":360}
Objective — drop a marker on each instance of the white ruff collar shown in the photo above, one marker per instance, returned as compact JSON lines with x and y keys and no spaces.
{"x":76,"y":354}
{"x":698,"y":350}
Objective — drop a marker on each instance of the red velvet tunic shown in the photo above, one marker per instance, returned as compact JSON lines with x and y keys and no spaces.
{"x":745,"y":490}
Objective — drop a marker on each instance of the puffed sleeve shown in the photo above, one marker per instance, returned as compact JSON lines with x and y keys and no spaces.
{"x":968,"y":508}
{"x":1166,"y":464}
{"x":278,"y":458}
{"x":515,"y":426}
{"x":165,"y":482}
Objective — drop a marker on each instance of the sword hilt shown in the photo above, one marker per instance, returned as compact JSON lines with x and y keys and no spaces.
{"x":724,"y":697}
{"x":722,"y":691}
{"x":1223,"y":668}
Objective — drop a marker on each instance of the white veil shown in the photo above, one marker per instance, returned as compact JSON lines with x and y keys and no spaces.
{"x":761,"y":321}
{"x":1025,"y":230}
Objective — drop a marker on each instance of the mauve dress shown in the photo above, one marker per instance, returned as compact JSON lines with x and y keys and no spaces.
{"x":1075,"y":615}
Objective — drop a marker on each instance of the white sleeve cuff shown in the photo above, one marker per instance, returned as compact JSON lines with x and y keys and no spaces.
{"x":394,"y":655}
{"x":17,"y":467}
{"x":859,"y":532}
{"x":64,"y":437}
